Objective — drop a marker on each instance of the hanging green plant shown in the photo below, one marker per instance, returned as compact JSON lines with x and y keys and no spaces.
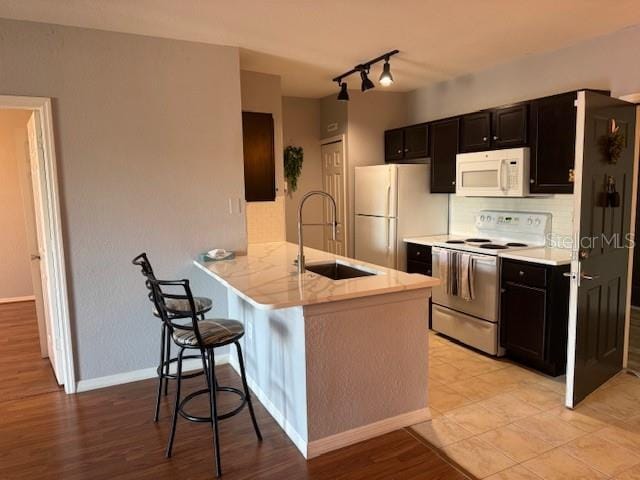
{"x":293,"y":157}
{"x":613,"y":143}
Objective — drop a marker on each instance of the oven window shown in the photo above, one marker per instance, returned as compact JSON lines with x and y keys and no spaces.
{"x":480,"y":178}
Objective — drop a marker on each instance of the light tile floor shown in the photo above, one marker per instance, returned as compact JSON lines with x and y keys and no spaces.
{"x":501,"y":421}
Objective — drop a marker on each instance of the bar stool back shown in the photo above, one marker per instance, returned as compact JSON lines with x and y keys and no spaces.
{"x":177,"y":310}
{"x":204,"y":335}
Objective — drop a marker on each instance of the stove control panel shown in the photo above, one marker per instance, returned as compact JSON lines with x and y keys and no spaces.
{"x":513,"y":224}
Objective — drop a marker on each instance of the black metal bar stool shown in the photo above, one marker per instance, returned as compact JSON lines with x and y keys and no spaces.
{"x":204,"y":335}
{"x":177,"y":310}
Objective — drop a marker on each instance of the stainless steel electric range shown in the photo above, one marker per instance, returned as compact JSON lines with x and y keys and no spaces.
{"x":476,"y":322}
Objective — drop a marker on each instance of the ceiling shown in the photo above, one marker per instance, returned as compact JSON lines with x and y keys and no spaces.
{"x":308,"y":42}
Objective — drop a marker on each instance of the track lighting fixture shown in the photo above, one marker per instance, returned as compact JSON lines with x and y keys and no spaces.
{"x":367,"y":84}
{"x":363,"y":69}
{"x":344,"y":93}
{"x":386,"y":78}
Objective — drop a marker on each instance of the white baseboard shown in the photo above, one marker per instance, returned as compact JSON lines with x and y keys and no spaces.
{"x":359,"y":434}
{"x":142,"y":374}
{"x":28,"y":298}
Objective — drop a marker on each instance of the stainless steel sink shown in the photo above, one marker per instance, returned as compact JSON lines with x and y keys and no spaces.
{"x":338,"y":271}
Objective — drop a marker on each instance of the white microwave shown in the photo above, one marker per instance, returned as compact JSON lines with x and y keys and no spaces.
{"x":495,"y":173}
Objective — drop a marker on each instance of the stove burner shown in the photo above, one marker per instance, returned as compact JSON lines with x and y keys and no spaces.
{"x":477,"y":240}
{"x":493,"y":246}
{"x":454,"y":241}
{"x":516,"y":244}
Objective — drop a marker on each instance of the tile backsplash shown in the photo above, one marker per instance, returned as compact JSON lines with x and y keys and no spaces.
{"x":462,"y":211}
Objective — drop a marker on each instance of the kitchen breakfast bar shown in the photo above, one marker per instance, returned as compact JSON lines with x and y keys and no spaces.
{"x":337,"y":356}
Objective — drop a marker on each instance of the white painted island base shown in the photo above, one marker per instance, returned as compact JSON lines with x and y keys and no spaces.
{"x":336,"y":373}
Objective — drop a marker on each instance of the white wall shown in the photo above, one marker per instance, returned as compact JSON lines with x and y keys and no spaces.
{"x":609,"y":62}
{"x":262,"y":93}
{"x":301,"y":125}
{"x":15,"y":273}
{"x":149,"y":144}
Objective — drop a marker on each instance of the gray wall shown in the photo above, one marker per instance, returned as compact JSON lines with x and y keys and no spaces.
{"x":301,"y":124}
{"x":609,"y":62}
{"x":149,"y":144}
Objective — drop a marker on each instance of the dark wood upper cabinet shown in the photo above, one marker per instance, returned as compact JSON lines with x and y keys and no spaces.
{"x":553,"y":150}
{"x":475,"y":132}
{"x":509,"y":126}
{"x":416,"y":141}
{"x":444,"y":148}
{"x":406,"y":143}
{"x":394,"y":145}
{"x":259,"y":157}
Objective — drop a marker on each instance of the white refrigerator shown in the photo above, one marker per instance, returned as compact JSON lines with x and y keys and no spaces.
{"x":393,"y":202}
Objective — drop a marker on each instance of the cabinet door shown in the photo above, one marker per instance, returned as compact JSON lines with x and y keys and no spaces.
{"x":553,"y":151}
{"x":475,"y":131}
{"x":509,"y":127}
{"x":416,"y":141}
{"x":394,"y":145}
{"x":523,"y":320}
{"x":259,"y":157}
{"x":444,"y":148}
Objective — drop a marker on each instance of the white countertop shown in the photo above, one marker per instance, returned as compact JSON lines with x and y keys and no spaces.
{"x":547,"y":256}
{"x":267,"y":278}
{"x":544,"y":255}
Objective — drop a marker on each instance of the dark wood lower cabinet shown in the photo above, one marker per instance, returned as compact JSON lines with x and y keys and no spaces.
{"x":534,"y":311}
{"x":419,"y":261}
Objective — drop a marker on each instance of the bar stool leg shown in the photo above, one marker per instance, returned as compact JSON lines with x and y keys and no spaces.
{"x":167,"y":350}
{"x":246,"y":392}
{"x":214,"y":411}
{"x":176,"y":406}
{"x":160,"y":371}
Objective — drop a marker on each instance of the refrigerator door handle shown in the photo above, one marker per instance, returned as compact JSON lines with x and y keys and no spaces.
{"x":388,"y":199}
{"x":388,"y":236}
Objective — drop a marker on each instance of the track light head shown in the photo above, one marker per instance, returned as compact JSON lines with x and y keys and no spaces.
{"x":343,"y":96}
{"x":386,"y":78}
{"x":367,"y":84}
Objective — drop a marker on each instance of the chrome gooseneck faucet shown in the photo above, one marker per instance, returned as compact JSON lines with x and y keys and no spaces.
{"x":333,"y":223}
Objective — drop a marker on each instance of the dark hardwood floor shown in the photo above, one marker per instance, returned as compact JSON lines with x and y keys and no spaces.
{"x":24,"y":371}
{"x":109,"y":433}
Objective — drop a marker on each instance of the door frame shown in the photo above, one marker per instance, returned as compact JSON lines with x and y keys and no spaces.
{"x":49,"y":209}
{"x":632,"y":98}
{"x":345,"y":194}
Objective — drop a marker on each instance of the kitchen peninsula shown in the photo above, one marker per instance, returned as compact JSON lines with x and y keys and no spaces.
{"x":334,"y":361}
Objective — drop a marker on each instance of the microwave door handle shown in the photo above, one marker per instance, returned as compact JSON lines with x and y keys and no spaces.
{"x":501,"y":180}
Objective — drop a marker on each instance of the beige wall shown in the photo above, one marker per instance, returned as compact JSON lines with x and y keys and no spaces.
{"x":608,"y":62}
{"x":301,"y":126}
{"x":369,"y":115}
{"x":15,"y":274}
{"x":262,"y":93}
{"x":149,"y":144}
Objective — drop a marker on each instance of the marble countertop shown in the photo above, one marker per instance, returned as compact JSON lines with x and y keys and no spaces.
{"x":544,"y":255}
{"x":267,"y":278}
{"x":547,"y":256}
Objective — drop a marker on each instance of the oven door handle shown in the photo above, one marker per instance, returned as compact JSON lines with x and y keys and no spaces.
{"x":486,"y":259}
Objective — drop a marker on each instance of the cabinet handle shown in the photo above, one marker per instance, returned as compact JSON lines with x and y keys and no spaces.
{"x":399,"y":151}
{"x":532,"y":181}
{"x":484,"y":139}
{"x":572,"y":176}
{"x":521,"y":273}
{"x":495,"y":137}
{"x":406,"y":150}
{"x":417,"y":253}
{"x":453,"y":183}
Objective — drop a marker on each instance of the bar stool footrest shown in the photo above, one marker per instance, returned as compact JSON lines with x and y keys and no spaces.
{"x":205,"y":391}
{"x":172,"y":376}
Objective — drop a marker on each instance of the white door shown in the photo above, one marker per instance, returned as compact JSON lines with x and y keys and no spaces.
{"x":36,"y":156}
{"x":375,"y":192}
{"x":375,"y":240}
{"x":334,"y":183}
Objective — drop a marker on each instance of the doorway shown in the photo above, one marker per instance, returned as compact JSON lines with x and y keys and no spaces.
{"x":45,"y":307}
{"x":335,"y":184}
